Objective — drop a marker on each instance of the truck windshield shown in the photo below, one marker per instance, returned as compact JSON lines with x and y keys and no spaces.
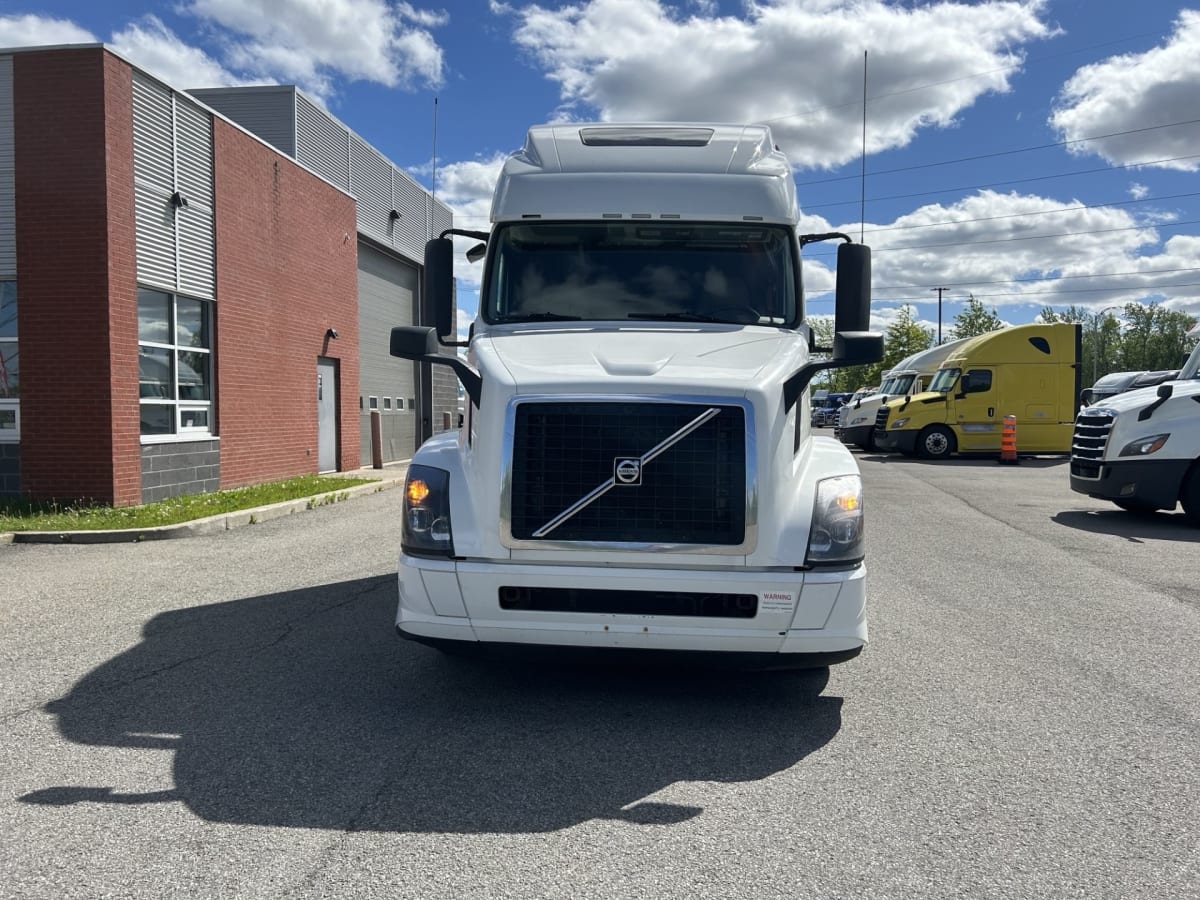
{"x":733,"y":273}
{"x":943,"y":381}
{"x":1191,"y":368}
{"x":903,"y":383}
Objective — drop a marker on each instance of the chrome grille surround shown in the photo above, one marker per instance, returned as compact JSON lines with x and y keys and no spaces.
{"x":698,"y":409}
{"x":1089,"y":441}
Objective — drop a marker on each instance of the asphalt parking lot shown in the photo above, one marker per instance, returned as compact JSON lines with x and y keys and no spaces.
{"x":231,"y":715}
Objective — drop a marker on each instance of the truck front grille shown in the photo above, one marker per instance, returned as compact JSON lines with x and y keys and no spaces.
{"x":1088,"y":442}
{"x":881,"y":418}
{"x":692,"y":492}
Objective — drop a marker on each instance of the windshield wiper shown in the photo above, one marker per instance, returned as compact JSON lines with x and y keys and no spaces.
{"x":541,"y":317}
{"x":676,"y":317}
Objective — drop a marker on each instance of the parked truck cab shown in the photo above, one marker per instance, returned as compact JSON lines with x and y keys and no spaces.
{"x":1027,"y":371}
{"x":856,"y":421}
{"x":1141,"y":449}
{"x":637,"y":470}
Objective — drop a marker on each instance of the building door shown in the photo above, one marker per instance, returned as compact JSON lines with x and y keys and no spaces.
{"x":327,"y":417}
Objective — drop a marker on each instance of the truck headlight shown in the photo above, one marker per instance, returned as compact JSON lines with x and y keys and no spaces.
{"x":900,"y":423}
{"x":836,"y":537}
{"x":1144,"y":446}
{"x":426,"y":527}
{"x":858,"y":420}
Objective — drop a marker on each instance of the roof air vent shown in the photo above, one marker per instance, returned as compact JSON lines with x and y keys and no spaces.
{"x":628,"y":136}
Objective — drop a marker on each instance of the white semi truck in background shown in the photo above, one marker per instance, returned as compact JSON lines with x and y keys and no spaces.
{"x":1141,"y":449}
{"x":856,"y":420}
{"x":636,"y":470}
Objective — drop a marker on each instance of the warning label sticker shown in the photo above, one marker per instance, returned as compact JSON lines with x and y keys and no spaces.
{"x":776,"y":601}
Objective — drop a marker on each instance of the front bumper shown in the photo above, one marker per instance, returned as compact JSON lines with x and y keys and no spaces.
{"x":820,"y":614}
{"x":901,"y":441}
{"x":855,"y":435}
{"x":1146,"y":482}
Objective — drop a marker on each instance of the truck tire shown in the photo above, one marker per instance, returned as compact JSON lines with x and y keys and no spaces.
{"x":935,"y":442}
{"x":1190,"y":495}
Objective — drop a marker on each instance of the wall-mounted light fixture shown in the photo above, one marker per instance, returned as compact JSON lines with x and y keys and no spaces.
{"x":393,"y":216}
{"x":331,"y":333}
{"x":179,"y":201}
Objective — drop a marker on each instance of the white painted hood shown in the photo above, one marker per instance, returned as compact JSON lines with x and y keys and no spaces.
{"x":557,"y":359}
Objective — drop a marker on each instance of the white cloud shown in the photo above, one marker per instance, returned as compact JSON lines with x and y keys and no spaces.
{"x":151,"y":45}
{"x":1017,"y":250}
{"x":316,"y":42}
{"x":36,"y":31}
{"x":1138,"y":191}
{"x":1132,"y":92}
{"x":797,"y":64}
{"x":466,"y":187}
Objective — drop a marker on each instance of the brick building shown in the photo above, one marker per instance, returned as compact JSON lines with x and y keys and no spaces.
{"x":193,"y":299}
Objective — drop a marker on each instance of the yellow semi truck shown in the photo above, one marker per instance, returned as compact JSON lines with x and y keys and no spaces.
{"x":1027,"y":371}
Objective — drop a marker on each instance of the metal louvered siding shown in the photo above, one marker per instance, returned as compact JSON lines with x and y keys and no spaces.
{"x":193,"y":132}
{"x":412,"y":229}
{"x":8,"y":205}
{"x":322,"y":144}
{"x":173,"y":151}
{"x":155,"y":239}
{"x":154,"y":181}
{"x":194,"y":164}
{"x":443,"y":218}
{"x":371,"y":184}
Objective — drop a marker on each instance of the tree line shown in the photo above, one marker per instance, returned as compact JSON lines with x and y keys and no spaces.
{"x":1145,"y":338}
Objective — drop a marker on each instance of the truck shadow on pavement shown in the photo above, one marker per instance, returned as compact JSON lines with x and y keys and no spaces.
{"x":1134,"y":526}
{"x":303,"y":709}
{"x":978,"y":460}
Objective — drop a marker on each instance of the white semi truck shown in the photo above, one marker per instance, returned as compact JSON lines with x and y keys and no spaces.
{"x":856,"y":420}
{"x":636,"y":470}
{"x":1141,"y":449}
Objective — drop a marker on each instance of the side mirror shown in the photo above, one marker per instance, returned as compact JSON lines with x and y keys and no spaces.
{"x":857,"y":348}
{"x":476,"y":253}
{"x":852,"y":310}
{"x":413,"y":341}
{"x":421,"y":344}
{"x":437,"y":286}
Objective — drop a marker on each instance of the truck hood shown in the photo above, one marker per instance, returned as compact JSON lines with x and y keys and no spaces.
{"x":1141,"y":398}
{"x":898,"y":402}
{"x":658,"y":356}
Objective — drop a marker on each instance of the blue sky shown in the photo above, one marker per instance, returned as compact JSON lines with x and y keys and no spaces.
{"x":1031,"y":152}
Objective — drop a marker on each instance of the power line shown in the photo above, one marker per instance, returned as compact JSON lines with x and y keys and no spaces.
{"x":1158,"y":288}
{"x":1041,"y":278}
{"x":978,"y":187}
{"x":999,"y":153}
{"x":1040,"y":212}
{"x":1029,"y":237}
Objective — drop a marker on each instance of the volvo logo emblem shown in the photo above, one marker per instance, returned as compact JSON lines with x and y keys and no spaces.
{"x":627,"y":471}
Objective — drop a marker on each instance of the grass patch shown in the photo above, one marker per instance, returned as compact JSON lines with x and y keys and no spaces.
{"x":21,"y":515}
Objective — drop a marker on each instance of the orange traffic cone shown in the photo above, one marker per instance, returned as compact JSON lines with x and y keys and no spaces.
{"x":1008,"y":442}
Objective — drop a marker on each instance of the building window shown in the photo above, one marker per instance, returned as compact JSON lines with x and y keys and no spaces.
{"x":373,"y":402}
{"x":10,"y":377}
{"x":387,"y":403}
{"x":174,"y":364}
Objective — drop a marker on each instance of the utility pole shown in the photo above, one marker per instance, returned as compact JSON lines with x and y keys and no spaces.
{"x":939,"y":293}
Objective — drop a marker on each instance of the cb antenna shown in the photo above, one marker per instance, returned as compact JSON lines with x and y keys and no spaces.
{"x":863,"y":178}
{"x":433,"y":192}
